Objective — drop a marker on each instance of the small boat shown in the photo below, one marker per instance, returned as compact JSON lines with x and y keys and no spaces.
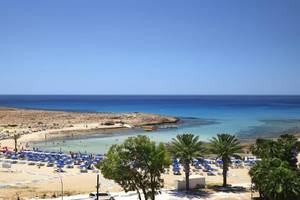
{"x":150,"y":128}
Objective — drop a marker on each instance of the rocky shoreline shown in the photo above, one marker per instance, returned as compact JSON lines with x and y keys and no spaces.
{"x":36,"y":125}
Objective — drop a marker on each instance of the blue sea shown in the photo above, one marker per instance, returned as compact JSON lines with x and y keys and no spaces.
{"x":245,"y":116}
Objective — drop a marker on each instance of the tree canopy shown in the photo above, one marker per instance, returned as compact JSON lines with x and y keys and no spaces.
{"x":137,"y":164}
{"x":275,"y":180}
{"x":285,"y":148}
{"x":276,"y":176}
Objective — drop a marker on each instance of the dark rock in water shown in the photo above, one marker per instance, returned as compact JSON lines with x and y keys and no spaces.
{"x":192,"y":121}
{"x":271,"y":128}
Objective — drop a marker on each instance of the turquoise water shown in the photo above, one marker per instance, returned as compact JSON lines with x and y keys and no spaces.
{"x":245,"y":116}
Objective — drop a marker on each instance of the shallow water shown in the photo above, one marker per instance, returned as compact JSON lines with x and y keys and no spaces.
{"x":246,"y":116}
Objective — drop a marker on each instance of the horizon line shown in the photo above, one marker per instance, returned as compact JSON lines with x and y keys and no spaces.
{"x":149,"y":94}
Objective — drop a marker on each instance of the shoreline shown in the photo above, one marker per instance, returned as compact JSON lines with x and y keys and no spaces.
{"x":41,"y":182}
{"x":82,"y":135}
{"x":90,"y":126}
{"x":38,"y":125}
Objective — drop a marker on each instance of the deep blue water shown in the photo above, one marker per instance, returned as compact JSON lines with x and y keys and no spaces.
{"x":174,"y":105}
{"x":242,"y":115}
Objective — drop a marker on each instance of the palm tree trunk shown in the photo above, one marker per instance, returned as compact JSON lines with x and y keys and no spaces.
{"x":224,"y":177}
{"x":16,"y":142}
{"x":187,"y":175}
{"x":152,"y":187}
{"x":225,"y":169}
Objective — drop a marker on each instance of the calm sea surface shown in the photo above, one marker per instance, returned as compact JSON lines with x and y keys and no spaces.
{"x":245,"y":116}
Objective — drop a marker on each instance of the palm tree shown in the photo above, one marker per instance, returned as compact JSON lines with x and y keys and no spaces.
{"x":225,"y":146}
{"x":16,"y":137}
{"x":186,"y":147}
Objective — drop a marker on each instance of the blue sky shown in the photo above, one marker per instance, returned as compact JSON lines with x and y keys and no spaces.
{"x":150,"y":47}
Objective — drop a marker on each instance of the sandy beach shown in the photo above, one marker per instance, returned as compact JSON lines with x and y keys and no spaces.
{"x":34,"y":182}
{"x":169,"y":100}
{"x":28,"y":181}
{"x":38,"y":125}
{"x":31,"y":181}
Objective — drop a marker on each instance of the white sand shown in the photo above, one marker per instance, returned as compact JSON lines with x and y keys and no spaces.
{"x":31,"y":181}
{"x":167,"y":195}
